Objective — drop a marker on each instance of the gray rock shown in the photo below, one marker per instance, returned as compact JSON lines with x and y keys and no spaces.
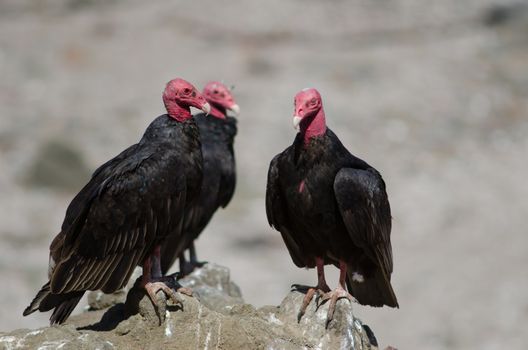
{"x":217,"y":319}
{"x":98,"y":300}
{"x":343,"y":332}
{"x":64,"y":337}
{"x":223,"y":294}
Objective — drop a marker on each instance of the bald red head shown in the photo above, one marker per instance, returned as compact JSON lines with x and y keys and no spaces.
{"x":308,"y":115}
{"x":307,"y":102}
{"x":220,"y":98}
{"x":179,"y":95}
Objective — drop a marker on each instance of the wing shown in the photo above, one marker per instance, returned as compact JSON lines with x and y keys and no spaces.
{"x":227,"y":181}
{"x":228,"y":166}
{"x":77,"y":204}
{"x":277,"y":213}
{"x":364,"y":206}
{"x":117,"y":226}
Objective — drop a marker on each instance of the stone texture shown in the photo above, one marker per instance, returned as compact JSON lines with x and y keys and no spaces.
{"x":224,"y":293}
{"x":217,"y":318}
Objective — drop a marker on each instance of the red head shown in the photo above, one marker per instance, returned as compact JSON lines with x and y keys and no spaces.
{"x":179,"y":95}
{"x":309,"y":115}
{"x":220,"y":98}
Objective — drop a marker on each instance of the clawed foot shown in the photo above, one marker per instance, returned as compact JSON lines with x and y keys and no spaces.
{"x":310,"y":292}
{"x":334,"y":296}
{"x":169,"y":287}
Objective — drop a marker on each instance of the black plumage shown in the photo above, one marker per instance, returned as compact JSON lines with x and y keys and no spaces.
{"x":330,"y":205}
{"x":132,"y":204}
{"x":218,"y":186}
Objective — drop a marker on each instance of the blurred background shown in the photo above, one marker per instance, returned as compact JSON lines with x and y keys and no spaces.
{"x":434,"y":94}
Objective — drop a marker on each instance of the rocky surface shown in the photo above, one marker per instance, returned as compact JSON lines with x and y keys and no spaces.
{"x":216,"y":318}
{"x":431,"y":93}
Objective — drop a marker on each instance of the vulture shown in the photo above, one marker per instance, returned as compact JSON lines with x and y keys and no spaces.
{"x":331,"y":208}
{"x":217,"y":133}
{"x":128,"y":208}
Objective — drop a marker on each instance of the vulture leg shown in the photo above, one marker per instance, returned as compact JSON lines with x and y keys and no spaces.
{"x":186,"y":267}
{"x":183,"y":264}
{"x":153,"y":281}
{"x":338,"y":293}
{"x":194,"y":259}
{"x":320,"y":289}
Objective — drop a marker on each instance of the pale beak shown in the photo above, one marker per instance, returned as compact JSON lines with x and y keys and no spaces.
{"x":296,"y":122}
{"x":235,"y":109}
{"x":206,"y":108}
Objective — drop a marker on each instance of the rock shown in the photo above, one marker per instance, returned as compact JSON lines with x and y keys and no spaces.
{"x":64,"y":337}
{"x":224,"y":293}
{"x":343,"y":332}
{"x":98,"y":300}
{"x":216,"y":318}
{"x":138,"y":302}
{"x":221,"y":297}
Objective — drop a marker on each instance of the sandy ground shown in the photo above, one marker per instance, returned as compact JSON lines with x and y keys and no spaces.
{"x":428,"y":92}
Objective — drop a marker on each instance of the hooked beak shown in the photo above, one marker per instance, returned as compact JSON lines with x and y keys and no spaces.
{"x":235,"y":109}
{"x":296,"y":122}
{"x":206,"y":108}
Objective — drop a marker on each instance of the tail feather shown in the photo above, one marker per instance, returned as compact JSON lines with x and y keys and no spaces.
{"x":35,"y":303}
{"x":374,"y":290}
{"x":63,"y":304}
{"x":65,"y":308}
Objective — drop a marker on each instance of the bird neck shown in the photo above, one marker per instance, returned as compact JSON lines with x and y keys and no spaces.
{"x":313,"y":126}
{"x":217,"y":111}
{"x":178,"y":112}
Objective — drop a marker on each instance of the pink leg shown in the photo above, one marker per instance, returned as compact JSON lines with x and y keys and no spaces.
{"x":153,"y":281}
{"x":320,"y":289}
{"x":338,"y":293}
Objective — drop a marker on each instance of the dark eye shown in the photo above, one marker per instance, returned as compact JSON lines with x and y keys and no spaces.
{"x":313,"y":101}
{"x":186,"y":91}
{"x":215,"y":91}
{"x":194,"y":94}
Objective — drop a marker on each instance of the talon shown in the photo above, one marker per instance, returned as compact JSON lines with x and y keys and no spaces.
{"x":306,"y":301}
{"x":320,"y":289}
{"x":334,"y":296}
{"x":186,"y":291}
{"x":153,"y":288}
{"x":310,"y":292}
{"x":198,"y":264}
{"x":298,"y":287}
{"x":331,"y":309}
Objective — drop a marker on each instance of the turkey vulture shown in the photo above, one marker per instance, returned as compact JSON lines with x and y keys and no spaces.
{"x":129,"y":207}
{"x":217,"y":134}
{"x":331,"y":208}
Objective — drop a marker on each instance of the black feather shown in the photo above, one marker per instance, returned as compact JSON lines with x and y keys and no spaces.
{"x":131,"y":204}
{"x":328,"y":203}
{"x":217,"y":187}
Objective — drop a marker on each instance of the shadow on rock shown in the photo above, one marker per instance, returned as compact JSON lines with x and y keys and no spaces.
{"x":110,"y":320}
{"x":220,"y":319}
